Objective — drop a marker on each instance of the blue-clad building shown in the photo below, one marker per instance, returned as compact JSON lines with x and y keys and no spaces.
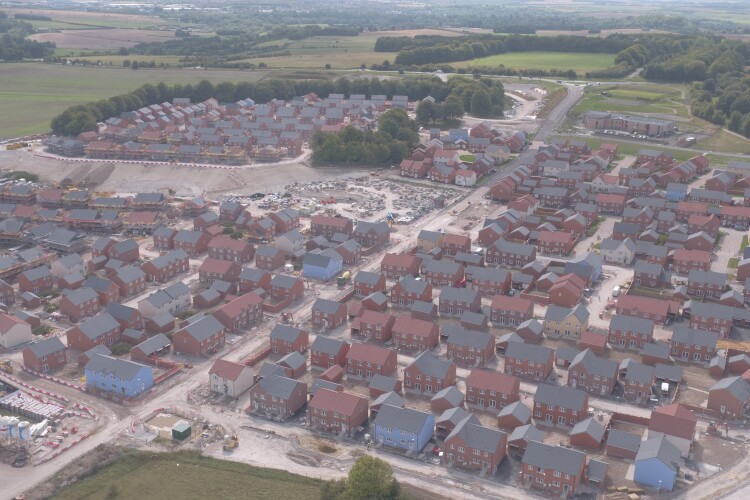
{"x":118,"y":376}
{"x":403,"y":428}
{"x":320,"y":266}
{"x":657,"y":463}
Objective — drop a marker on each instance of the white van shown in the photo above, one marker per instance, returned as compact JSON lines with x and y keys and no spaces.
{"x":616,"y":291}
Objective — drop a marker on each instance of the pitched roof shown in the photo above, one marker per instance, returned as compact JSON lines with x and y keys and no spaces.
{"x":119,"y":368}
{"x":154,"y":344}
{"x":595,"y":365}
{"x":429,"y":364}
{"x":336,"y":401}
{"x":477,"y":436}
{"x":405,"y":419}
{"x":530,"y":352}
{"x":565,"y":397}
{"x":226,"y":369}
{"x":624,"y":440}
{"x":46,"y":347}
{"x":662,"y":449}
{"x":279,"y":386}
{"x":738,"y":387}
{"x":589,"y":426}
{"x":556,"y":458}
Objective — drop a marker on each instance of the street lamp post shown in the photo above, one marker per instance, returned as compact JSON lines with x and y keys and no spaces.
{"x":658,"y":490}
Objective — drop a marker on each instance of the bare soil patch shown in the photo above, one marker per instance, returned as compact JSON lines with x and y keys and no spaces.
{"x":103,"y":39}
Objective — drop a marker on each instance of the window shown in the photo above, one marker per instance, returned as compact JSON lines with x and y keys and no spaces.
{"x":460,"y":449}
{"x":557,"y":473}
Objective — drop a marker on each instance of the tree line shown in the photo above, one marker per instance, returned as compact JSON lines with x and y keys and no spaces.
{"x":84,"y":117}
{"x":13,"y":43}
{"x":724,"y":100}
{"x":701,"y":58}
{"x":390,"y":144}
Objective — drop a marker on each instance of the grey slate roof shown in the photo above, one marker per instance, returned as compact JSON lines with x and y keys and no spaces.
{"x":668,"y":372}
{"x":279,"y":386}
{"x":518,"y":410}
{"x":556,"y":458}
{"x":367,"y":277}
{"x":526,"y":433}
{"x":596,"y":470}
{"x":624,"y":440}
{"x":388,"y":399}
{"x":467,"y":295}
{"x":451,"y":394}
{"x":595,"y":365}
{"x":47,"y":346}
{"x":560,"y":396}
{"x":204,"y":328}
{"x":98,"y":325}
{"x":410,"y":284}
{"x":661,"y":448}
{"x":477,"y":436}
{"x":461,"y":336}
{"x":81,"y":295}
{"x":589,"y":426}
{"x":737,"y":386}
{"x":285,"y":332}
{"x":119,"y":368}
{"x":327,"y":306}
{"x":429,"y":364}
{"x":326,"y":345}
{"x":405,"y":419}
{"x":557,"y":313}
{"x":154,"y":344}
{"x":293,"y":360}
{"x":530,"y":352}
{"x":631,"y":324}
{"x":454,"y":415}
{"x":639,"y":372}
{"x":687,"y":335}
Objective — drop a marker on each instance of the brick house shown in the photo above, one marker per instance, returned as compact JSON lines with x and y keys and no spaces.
{"x":510,"y":311}
{"x":730,"y":397}
{"x":529,"y":361}
{"x":706,"y":284}
{"x":429,"y":375}
{"x":102,"y":329}
{"x":194,"y":243}
{"x":472,"y":446}
{"x":326,"y":352}
{"x":610,"y":203}
{"x":592,"y":374}
{"x":46,"y":356}
{"x":467,"y":347}
{"x":555,"y":242}
{"x":650,"y":275}
{"x":37,"y":280}
{"x":269,"y":258}
{"x":375,"y":325}
{"x":440,"y":273}
{"x":285,"y":219}
{"x":366,"y":283}
{"x":286,"y":339}
{"x":414,"y":335}
{"x":491,"y":282}
{"x":363,"y":361}
{"x":456,"y":301}
{"x":126,"y":251}
{"x":689,"y":344}
{"x":285,"y":287}
{"x":630,"y":332}
{"x":454,"y":243}
{"x":217,"y":269}
{"x":486,"y":389}
{"x":654,"y":309}
{"x":107,"y":290}
{"x":131,"y":280}
{"x":328,"y":314}
{"x":510,"y":254}
{"x":325,"y":225}
{"x":241,"y":312}
{"x":557,"y":470}
{"x":165,"y":267}
{"x":252,"y":279}
{"x":560,"y":405}
{"x":200,"y":338}
{"x":77,"y":304}
{"x":637,"y":382}
{"x":225,"y":248}
{"x":337,"y":412}
{"x":278,"y":397}
{"x":372,"y":234}
{"x":712,"y":317}
{"x":409,"y":290}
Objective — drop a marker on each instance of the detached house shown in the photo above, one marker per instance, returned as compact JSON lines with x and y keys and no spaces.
{"x":473,"y":446}
{"x":286,"y":339}
{"x":568,"y":322}
{"x":554,"y":469}
{"x":510,"y":311}
{"x":45,"y":356}
{"x":467,"y":347}
{"x":200,"y":338}
{"x":529,"y":361}
{"x":363,"y":361}
{"x":492,"y":390}
{"x":592,"y":374}
{"x":414,"y":335}
{"x":337,"y":412}
{"x":278,"y":397}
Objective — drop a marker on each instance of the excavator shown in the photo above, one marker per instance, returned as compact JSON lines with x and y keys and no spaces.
{"x":231,"y":441}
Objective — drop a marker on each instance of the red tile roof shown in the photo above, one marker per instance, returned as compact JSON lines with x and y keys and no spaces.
{"x":496,"y":381}
{"x":226,"y":369}
{"x":339,"y":402}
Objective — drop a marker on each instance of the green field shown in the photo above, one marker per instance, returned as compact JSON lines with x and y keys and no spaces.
{"x":32,"y":94}
{"x":71,"y":19}
{"x":187,"y":475}
{"x":580,"y":63}
{"x":632,"y":148}
{"x":724,"y":142}
{"x":341,"y":52}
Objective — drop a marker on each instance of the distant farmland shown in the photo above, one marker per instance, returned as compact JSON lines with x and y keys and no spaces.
{"x":32,"y":94}
{"x":103,"y":39}
{"x":580,"y":63}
